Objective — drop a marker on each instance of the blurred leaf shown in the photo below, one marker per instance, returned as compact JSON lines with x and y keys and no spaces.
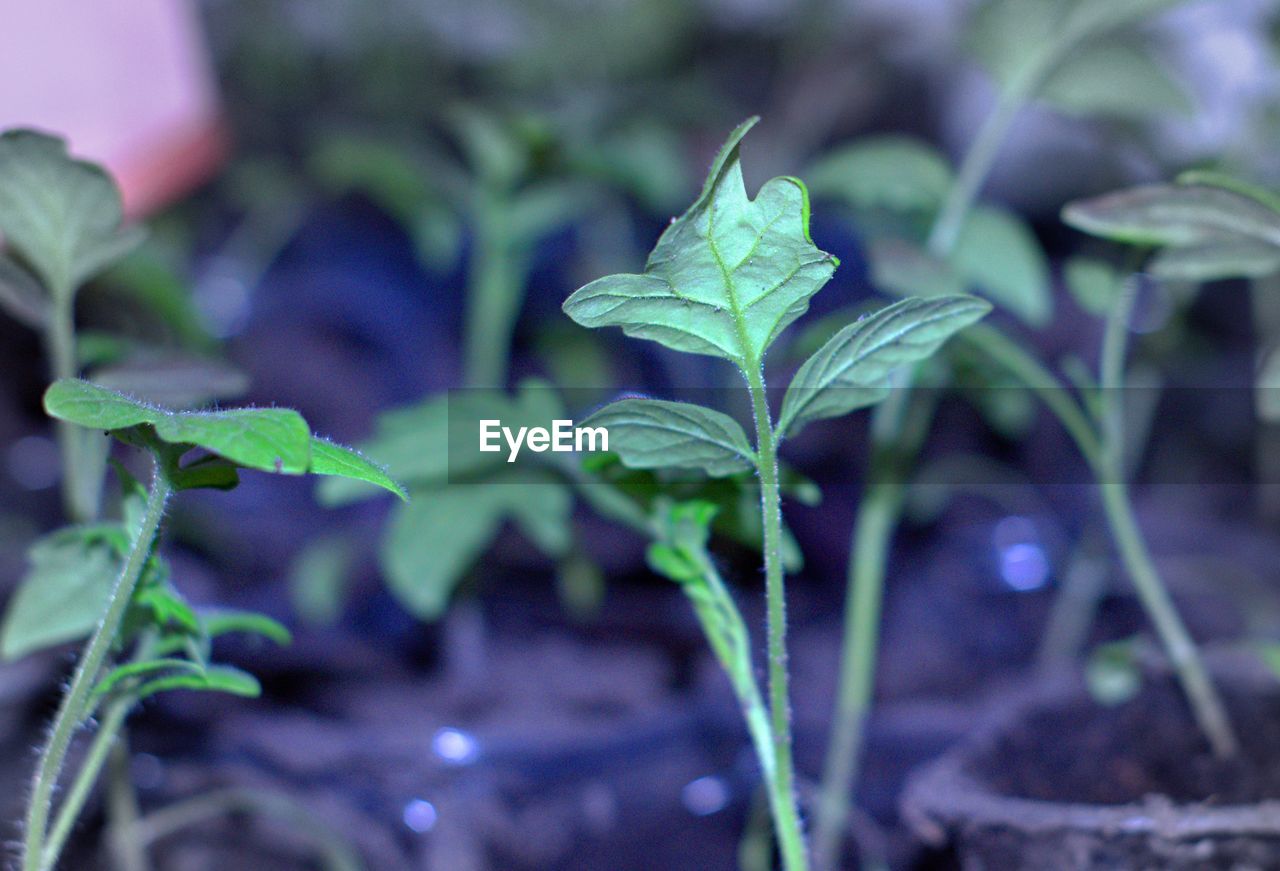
{"x":174,"y":381}
{"x":434,"y":540}
{"x":904,"y":269}
{"x":222,"y":621}
{"x":21,"y":294}
{"x":64,"y":593}
{"x":1112,"y":674}
{"x":1111,"y":77}
{"x":1211,"y":178}
{"x":997,"y":254}
{"x":726,"y":277}
{"x":167,"y":607}
{"x":851,"y":371}
{"x":1093,"y":283}
{"x":112,"y":679}
{"x":216,"y":678}
{"x":1267,"y":396}
{"x":655,"y":434}
{"x":318,"y":579}
{"x":897,"y":173}
{"x":1175,"y":215}
{"x":148,"y":277}
{"x":1214,"y":261}
{"x":62,"y":215}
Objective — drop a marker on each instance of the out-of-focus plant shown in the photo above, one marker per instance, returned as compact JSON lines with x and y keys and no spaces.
{"x":927,"y":233}
{"x":726,"y":279}
{"x":518,"y":185}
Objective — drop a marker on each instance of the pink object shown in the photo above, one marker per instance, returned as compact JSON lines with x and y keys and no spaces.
{"x":129,"y":84}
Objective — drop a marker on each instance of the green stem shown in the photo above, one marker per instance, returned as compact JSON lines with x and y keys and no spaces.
{"x":335,"y":855}
{"x":899,"y":427}
{"x":75,"y":701}
{"x":81,"y":486}
{"x":1206,"y":704}
{"x":494,"y":291}
{"x":783,"y":798}
{"x":122,"y":812}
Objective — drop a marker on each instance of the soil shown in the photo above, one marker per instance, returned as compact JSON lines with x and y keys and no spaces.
{"x":1059,"y":782}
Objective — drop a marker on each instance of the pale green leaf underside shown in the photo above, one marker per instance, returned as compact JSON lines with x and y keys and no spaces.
{"x":61,"y":214}
{"x":1114,"y":77}
{"x":63,"y":595}
{"x":656,"y":434}
{"x":851,"y":370}
{"x":1177,"y":215}
{"x":725,"y":278}
{"x":267,"y":439}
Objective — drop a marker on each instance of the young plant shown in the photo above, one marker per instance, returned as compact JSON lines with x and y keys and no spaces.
{"x":1080,"y":58}
{"x":110,"y":582}
{"x":726,"y":279}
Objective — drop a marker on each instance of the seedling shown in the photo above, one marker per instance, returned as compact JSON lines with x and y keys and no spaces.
{"x":726,"y":279}
{"x":1080,"y":58}
{"x":146,"y":638}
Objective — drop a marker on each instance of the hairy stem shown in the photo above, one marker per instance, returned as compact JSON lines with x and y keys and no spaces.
{"x":782,"y":798}
{"x":75,"y":701}
{"x":1206,"y":704}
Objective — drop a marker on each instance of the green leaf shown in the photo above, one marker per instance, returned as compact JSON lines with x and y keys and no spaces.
{"x":267,"y":439}
{"x":168,"y":607}
{"x":1113,"y":77}
{"x":64,"y":593}
{"x":222,"y":621}
{"x":851,"y":370}
{"x":1212,"y":178}
{"x":896,"y":173}
{"x":726,"y":277}
{"x":118,"y":675}
{"x":21,"y":295}
{"x":1176,"y":215}
{"x":62,"y":215}
{"x":216,"y":678}
{"x":1093,"y":283}
{"x":1214,"y":261}
{"x":655,"y":434}
{"x":328,"y":458}
{"x":434,"y":540}
{"x":997,"y":254}
{"x":905,"y":269}
{"x":318,"y":579}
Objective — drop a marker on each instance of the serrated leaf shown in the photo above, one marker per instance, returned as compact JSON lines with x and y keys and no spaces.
{"x":328,"y":458}
{"x":62,"y":215}
{"x":851,"y":370}
{"x":1113,"y":77}
{"x":1093,"y":283}
{"x":726,"y":277}
{"x":21,"y":294}
{"x":896,"y":173}
{"x":656,"y":434}
{"x":1176,"y":215}
{"x":64,"y":593}
{"x":997,"y":254}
